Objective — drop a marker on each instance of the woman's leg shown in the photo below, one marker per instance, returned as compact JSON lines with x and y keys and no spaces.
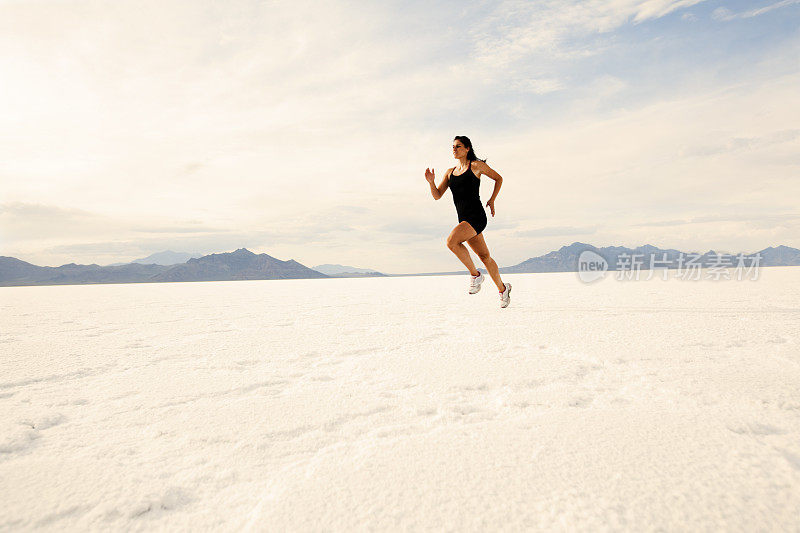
{"x":479,"y":246}
{"x":455,"y":242}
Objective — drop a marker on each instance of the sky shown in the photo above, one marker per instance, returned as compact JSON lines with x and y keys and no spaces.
{"x":303,"y":129}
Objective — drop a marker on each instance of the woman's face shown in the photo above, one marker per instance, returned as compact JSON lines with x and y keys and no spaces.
{"x":459,"y":150}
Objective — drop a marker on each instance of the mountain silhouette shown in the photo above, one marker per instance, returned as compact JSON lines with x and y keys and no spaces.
{"x":565,"y":259}
{"x":238,"y":265}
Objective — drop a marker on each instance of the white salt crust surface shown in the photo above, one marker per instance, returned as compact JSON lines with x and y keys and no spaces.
{"x":402,"y":404}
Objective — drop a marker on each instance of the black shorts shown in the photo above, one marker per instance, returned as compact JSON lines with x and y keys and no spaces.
{"x":476,"y":216}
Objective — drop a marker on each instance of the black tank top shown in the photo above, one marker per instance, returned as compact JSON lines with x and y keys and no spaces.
{"x":466,"y":191}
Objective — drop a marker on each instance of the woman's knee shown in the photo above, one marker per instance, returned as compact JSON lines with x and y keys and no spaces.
{"x":485,"y":257}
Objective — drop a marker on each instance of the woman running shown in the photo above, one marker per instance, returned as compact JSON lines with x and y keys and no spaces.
{"x":465,"y":180}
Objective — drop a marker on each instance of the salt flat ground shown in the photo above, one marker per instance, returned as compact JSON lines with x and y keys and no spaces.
{"x":402,"y":404}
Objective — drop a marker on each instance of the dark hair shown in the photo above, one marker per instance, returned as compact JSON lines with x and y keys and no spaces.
{"x":468,"y":145}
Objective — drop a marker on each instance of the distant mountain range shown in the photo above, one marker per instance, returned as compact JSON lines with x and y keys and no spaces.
{"x":344,"y":271}
{"x":565,"y":259}
{"x":238,"y":265}
{"x":244,"y":264}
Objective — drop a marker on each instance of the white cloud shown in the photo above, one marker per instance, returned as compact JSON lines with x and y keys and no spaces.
{"x":516,"y":29}
{"x":722,"y":13}
{"x":658,"y":8}
{"x":552,"y":231}
{"x":538,"y":86}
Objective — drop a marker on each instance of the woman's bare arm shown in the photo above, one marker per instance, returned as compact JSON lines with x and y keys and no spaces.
{"x":439,"y":191}
{"x":498,"y":181}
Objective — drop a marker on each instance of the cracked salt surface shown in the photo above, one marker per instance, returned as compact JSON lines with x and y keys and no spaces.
{"x":402,"y":403}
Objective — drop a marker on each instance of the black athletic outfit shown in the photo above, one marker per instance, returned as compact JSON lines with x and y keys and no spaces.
{"x":466,"y":188}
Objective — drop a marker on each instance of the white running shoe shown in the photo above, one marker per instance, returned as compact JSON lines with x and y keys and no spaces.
{"x":505,"y":296}
{"x":475,"y":284}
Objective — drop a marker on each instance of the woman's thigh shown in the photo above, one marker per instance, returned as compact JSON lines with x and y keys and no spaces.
{"x":462,"y":232}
